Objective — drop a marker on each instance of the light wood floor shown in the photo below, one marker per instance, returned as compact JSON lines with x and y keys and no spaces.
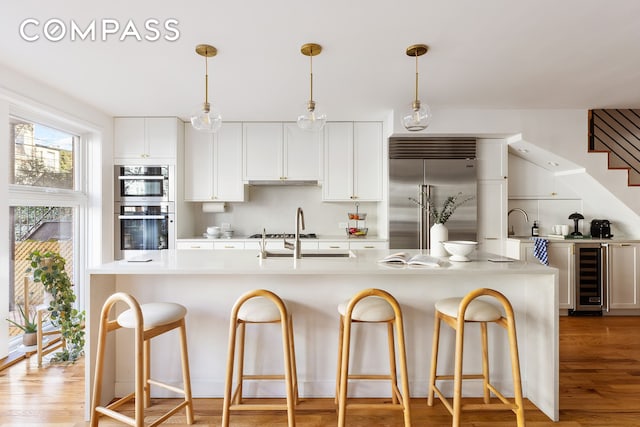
{"x":599,"y":386}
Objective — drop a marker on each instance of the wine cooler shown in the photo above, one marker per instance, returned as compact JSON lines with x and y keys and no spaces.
{"x":590,"y":279}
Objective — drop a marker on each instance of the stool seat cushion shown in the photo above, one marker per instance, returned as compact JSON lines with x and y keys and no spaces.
{"x":369,"y":309}
{"x":154,"y":314}
{"x":477,"y":311}
{"x":259,"y":310}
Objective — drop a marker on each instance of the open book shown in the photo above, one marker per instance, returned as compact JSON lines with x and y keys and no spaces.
{"x":419,"y":259}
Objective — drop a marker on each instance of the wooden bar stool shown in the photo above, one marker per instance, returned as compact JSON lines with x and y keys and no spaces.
{"x":260,"y":306}
{"x":148,"y":321}
{"x":372,"y":306}
{"x":455,"y":312}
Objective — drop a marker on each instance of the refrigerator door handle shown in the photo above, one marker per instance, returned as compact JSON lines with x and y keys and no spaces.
{"x":425,"y":226}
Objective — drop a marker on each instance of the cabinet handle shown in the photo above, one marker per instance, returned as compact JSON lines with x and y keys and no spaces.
{"x":229,"y":246}
{"x":369,"y":247}
{"x":195,"y":247}
{"x":334,"y":247}
{"x":282,"y":178}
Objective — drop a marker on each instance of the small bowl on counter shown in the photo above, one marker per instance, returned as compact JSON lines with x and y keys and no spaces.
{"x":459,"y":249}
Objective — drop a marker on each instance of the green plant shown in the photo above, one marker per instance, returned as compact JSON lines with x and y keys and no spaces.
{"x":28,"y":326}
{"x":48,"y":269}
{"x":440,"y":216}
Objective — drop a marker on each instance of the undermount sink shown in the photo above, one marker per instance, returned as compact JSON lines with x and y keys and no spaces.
{"x":314,"y":254}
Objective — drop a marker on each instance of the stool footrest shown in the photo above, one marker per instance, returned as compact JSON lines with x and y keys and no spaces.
{"x":488,"y":406}
{"x":369,"y":377}
{"x":166,"y":386}
{"x":258,"y":407}
{"x":263,"y":377}
{"x":116,"y":415}
{"x":396,"y":406}
{"x":464,"y":377}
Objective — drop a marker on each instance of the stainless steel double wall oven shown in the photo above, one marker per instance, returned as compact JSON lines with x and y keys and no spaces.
{"x":144,"y":208}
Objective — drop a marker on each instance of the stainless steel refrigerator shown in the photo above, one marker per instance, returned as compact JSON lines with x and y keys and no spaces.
{"x":437,"y":178}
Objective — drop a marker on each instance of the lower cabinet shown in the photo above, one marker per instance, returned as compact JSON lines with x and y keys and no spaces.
{"x":561,"y":257}
{"x":624,"y":283}
{"x":194,"y":244}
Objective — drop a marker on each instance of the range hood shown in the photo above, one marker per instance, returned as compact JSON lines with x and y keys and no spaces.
{"x":281,"y":182}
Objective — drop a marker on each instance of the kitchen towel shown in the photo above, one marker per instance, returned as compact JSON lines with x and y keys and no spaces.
{"x":212,"y":207}
{"x":540,"y":250}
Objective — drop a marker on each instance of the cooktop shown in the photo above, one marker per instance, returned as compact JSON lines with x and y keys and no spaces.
{"x":284,"y":236}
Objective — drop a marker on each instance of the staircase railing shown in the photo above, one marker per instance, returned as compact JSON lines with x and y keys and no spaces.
{"x":617,"y":132}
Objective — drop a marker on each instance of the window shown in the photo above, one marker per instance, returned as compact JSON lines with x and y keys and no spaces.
{"x":46,"y":205}
{"x":43,"y":156}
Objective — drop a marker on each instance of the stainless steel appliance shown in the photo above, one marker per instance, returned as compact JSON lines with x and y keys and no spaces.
{"x":438,"y":169}
{"x":590,"y":279}
{"x":144,"y":184}
{"x":143,"y":227}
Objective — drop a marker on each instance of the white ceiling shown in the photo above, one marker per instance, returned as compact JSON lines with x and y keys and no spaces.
{"x":483,"y":54}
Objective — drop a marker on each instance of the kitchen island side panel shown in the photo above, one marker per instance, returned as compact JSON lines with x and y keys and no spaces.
{"x":313,"y":300}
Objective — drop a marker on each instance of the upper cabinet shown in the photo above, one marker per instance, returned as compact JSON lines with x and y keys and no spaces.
{"x":146,"y":139}
{"x":281,"y":151}
{"x":491,"y":155}
{"x":353,"y":156}
{"x":213,"y":165}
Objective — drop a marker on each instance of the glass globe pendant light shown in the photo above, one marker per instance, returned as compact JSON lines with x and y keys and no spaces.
{"x":205,"y":119}
{"x":311,"y":120}
{"x":419,"y":115}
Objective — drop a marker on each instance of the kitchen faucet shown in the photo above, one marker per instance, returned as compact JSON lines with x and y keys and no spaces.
{"x":296,"y":245}
{"x":526,"y":218}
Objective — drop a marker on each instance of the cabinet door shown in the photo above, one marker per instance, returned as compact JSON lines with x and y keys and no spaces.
{"x":492,"y":212}
{"x":338,"y":162}
{"x":623,"y":276}
{"x":227,"y":179}
{"x":198,"y":165}
{"x":161,"y":135}
{"x":302,"y":153}
{"x":491,"y":155}
{"x":561,"y":257}
{"x":367,"y":161}
{"x":262,"y":144}
{"x":129,"y":138}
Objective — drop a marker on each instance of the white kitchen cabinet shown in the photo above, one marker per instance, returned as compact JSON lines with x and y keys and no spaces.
{"x":281,"y":151}
{"x":336,"y":244}
{"x":624,"y":283}
{"x":228,"y":244}
{"x":561,"y":256}
{"x":305,"y":244}
{"x":362,"y":244}
{"x":194,"y":244}
{"x":147,"y":138}
{"x":213,"y":165}
{"x":353,"y":157}
{"x":492,"y":215}
{"x":491,"y":158}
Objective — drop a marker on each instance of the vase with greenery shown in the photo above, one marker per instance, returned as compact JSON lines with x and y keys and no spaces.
{"x":48,"y":268}
{"x":27,"y":325}
{"x":438,"y":216}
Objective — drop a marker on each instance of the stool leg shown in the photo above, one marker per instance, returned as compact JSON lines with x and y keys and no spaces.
{"x":146,"y":358}
{"x":485,"y":362}
{"x":229,"y":377}
{"x":97,"y":381}
{"x":434,"y":359}
{"x":140,"y":381}
{"x":293,"y":361}
{"x":392,"y":362}
{"x":344,"y":371}
{"x":515,"y":371}
{"x":288,"y":370}
{"x":457,"y":376}
{"x":406,"y":399}
{"x":339,"y":364}
{"x":240,"y":373}
{"x":186,"y":375}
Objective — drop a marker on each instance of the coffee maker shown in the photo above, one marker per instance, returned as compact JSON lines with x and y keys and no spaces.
{"x":601,"y":228}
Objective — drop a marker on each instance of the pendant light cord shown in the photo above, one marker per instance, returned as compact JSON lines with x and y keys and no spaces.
{"x":311,"y":74}
{"x":416,"y":55}
{"x":206,"y":80}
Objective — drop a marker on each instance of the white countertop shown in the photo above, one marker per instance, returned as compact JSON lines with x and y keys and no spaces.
{"x":247,"y":262}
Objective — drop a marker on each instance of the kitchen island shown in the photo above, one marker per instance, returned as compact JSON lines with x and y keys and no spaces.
{"x":208,"y":282}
